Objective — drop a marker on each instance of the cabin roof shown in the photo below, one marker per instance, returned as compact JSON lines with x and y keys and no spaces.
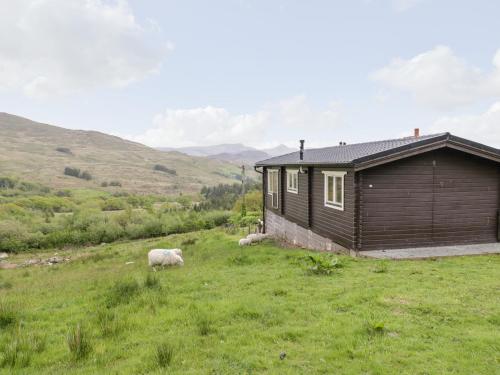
{"x":363,"y":153}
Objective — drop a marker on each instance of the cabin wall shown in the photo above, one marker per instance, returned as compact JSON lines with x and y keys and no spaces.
{"x":307,"y":210}
{"x":330,"y":222}
{"x":296,"y":207}
{"x":443,"y":197}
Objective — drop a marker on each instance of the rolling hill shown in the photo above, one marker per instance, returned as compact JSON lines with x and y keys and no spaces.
{"x":39,"y":152}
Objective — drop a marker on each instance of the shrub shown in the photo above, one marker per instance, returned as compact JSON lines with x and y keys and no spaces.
{"x":104,"y":184}
{"x":64,"y":150}
{"x":162,"y":168}
{"x":76,"y":172}
{"x":63,"y":193}
{"x":114,"y":204}
{"x":115,"y":183}
{"x":253,"y":202}
{"x":78,"y":343}
{"x":322,"y":264}
{"x":122,"y":292}
{"x":7,"y":183}
{"x":164,"y":355}
{"x":86,"y":176}
{"x":224,"y":196}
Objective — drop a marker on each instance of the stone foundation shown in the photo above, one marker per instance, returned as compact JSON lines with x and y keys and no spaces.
{"x":278,"y":226}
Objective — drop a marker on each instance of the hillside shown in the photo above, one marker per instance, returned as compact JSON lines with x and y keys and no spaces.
{"x":28,"y":150}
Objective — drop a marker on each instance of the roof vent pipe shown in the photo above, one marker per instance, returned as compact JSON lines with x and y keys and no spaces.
{"x":417,"y":132}
{"x":301,"y":149}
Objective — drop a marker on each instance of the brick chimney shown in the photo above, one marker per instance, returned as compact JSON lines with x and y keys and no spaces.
{"x":301,"y":154}
{"x":417,"y":132}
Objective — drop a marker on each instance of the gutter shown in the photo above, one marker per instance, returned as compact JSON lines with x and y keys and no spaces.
{"x":263,"y":197}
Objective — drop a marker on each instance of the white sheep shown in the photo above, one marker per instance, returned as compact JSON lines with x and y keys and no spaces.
{"x":257,"y":237}
{"x":245,"y":242}
{"x":165,"y":257}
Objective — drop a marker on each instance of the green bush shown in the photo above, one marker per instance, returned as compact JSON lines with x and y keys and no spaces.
{"x":76,"y":172}
{"x":32,"y":220}
{"x":114,"y":204}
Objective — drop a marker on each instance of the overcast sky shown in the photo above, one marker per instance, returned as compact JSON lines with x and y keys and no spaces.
{"x":182,"y":73}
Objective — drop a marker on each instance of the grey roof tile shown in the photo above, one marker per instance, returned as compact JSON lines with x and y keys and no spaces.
{"x":352,"y":153}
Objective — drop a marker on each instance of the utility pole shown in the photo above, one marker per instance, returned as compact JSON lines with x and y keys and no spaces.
{"x":243,"y":204}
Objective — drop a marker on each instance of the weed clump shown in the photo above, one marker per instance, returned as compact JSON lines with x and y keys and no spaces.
{"x":8,"y":316}
{"x":108,"y":323}
{"x":322,"y":264}
{"x":189,"y":241}
{"x":374,"y":327}
{"x":380,"y":267}
{"x":204,"y":326}
{"x":152,"y":282}
{"x":240,"y":260}
{"x":164,"y":355}
{"x":78,"y":343}
{"x":122,"y":292}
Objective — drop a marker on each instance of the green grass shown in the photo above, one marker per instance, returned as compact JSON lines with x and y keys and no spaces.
{"x":233,"y":310}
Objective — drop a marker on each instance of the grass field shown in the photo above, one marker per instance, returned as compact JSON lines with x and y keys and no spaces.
{"x":234,"y":310}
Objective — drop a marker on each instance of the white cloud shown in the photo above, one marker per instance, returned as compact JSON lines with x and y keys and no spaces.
{"x":484,"y":128}
{"x":439,"y":79}
{"x":50,"y":47}
{"x":282,"y":122}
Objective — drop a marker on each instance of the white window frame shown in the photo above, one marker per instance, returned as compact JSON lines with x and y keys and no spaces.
{"x":269,"y":190}
{"x":333,"y":204}
{"x":290,"y":174}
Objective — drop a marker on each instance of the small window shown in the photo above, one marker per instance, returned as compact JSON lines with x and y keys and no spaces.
{"x":292,"y":180}
{"x":272,"y":186}
{"x":334,"y":189}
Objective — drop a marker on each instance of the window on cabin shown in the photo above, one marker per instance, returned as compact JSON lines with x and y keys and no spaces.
{"x":334,"y":189}
{"x":292,"y":180}
{"x":272,"y":186}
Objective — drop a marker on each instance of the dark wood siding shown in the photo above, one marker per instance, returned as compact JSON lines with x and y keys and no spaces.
{"x":296,"y":205}
{"x":329,"y":222}
{"x":437,"y":198}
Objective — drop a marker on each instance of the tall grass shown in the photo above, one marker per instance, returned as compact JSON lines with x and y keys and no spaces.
{"x":108,"y":323}
{"x":164,"y":355}
{"x":8,"y":315}
{"x":79,"y":344}
{"x":122,"y":292}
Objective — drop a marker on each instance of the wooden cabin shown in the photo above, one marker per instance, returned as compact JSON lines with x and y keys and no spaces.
{"x":417,"y":191}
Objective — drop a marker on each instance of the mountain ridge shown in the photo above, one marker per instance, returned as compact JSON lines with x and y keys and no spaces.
{"x":29,"y":150}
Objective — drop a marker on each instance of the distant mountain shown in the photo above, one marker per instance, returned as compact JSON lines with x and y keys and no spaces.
{"x":279,"y":150}
{"x":39,"y":152}
{"x":233,"y":153}
{"x":230,"y":148}
{"x":244,"y":157}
